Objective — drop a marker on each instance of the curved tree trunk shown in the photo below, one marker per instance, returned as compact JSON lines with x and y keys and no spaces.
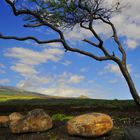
{"x":130,"y":83}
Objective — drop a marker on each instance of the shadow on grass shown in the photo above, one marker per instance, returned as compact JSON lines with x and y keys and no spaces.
{"x":72,"y":102}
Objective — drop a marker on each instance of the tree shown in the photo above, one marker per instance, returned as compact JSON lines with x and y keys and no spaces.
{"x":65,"y":14}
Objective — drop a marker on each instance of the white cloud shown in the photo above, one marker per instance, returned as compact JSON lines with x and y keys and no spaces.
{"x":64,"y":91}
{"x":4,"y":81}
{"x":84,"y":69}
{"x":27,"y":59}
{"x":70,"y":91}
{"x":30,"y":57}
{"x":24,"y":69}
{"x":132,"y":44}
{"x":34,"y":81}
{"x":2,"y":68}
{"x":38,"y":80}
{"x":91,"y":82}
{"x":76,"y":79}
{"x":66,"y":63}
{"x":55,"y":85}
{"x":136,"y":75}
{"x":127,"y":24}
{"x":77,"y":33}
{"x":113,"y":81}
{"x":114,"y":68}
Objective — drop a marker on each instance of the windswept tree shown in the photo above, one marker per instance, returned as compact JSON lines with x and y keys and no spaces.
{"x":60,"y":15}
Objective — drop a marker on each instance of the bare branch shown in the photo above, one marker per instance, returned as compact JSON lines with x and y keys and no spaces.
{"x":99,"y":58}
{"x":83,"y":26}
{"x":30,"y":38}
{"x":91,"y":43}
{"x":93,"y":31}
{"x":116,"y":39}
{"x":33,"y":25}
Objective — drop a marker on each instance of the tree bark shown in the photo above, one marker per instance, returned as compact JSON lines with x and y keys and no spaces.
{"x":130,"y":83}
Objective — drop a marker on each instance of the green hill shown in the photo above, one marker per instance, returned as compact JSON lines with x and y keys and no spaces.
{"x":8,"y":93}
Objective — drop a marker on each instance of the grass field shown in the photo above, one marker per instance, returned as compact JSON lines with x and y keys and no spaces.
{"x":7,"y":95}
{"x":65,"y":102}
{"x":13,"y":96}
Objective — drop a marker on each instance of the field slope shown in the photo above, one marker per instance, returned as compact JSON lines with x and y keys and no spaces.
{"x":11,"y":93}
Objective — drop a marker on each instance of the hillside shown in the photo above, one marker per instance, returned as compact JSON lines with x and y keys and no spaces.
{"x":8,"y":93}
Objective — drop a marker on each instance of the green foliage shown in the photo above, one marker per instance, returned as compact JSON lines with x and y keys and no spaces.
{"x":67,"y":13}
{"x":61,"y":117}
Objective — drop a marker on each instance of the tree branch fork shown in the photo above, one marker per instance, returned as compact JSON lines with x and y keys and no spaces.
{"x":42,"y":22}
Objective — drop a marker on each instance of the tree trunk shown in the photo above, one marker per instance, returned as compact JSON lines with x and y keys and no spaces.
{"x":130,"y":83}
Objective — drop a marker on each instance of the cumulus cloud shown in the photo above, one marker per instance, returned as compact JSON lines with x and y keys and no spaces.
{"x":77,"y":33}
{"x":2,"y":68}
{"x":132,"y":44}
{"x":24,"y":69}
{"x":27,"y":59}
{"x":4,"y":81}
{"x":53,"y":80}
{"x":113,"y":68}
{"x":66,"y":63}
{"x":84,"y":69}
{"x":76,"y":79}
{"x":127,"y":24}
{"x":34,"y":81}
{"x":55,"y":85}
{"x":31,"y":57}
{"x":64,"y":91}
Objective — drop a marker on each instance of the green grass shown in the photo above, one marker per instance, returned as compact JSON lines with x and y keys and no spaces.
{"x":19,"y":97}
{"x":61,"y":117}
{"x":13,"y":94}
{"x":6,"y":98}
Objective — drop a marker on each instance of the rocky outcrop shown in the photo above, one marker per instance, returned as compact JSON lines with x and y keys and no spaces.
{"x":35,"y":121}
{"x":90,"y":125}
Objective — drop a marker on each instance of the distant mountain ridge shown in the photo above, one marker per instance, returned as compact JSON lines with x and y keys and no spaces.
{"x":14,"y":91}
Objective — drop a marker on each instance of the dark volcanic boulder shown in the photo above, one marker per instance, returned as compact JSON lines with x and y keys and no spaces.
{"x":90,"y":125}
{"x":35,"y":121}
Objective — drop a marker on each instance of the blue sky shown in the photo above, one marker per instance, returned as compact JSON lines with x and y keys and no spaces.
{"x":48,"y":69}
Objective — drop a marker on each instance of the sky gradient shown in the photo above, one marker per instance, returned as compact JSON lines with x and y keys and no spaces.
{"x":50,"y":70}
